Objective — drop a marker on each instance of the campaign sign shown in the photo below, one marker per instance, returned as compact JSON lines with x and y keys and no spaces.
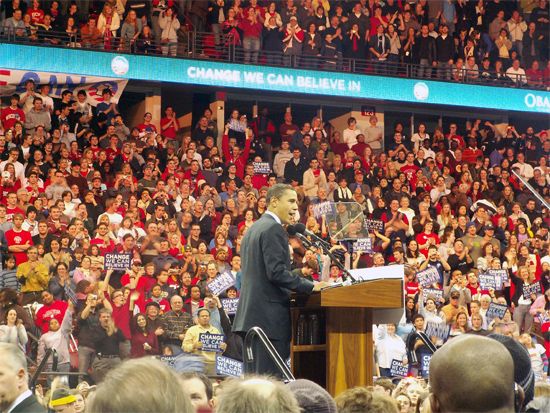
{"x":496,"y":311}
{"x":230,"y":305}
{"x":211,"y":342}
{"x":71,"y":294}
{"x":544,"y":318}
{"x":374,"y":225}
{"x":501,"y":275}
{"x":324,"y":208}
{"x":221,"y":283}
{"x":115,"y":261}
{"x":489,"y":281}
{"x":261,"y":168}
{"x":531,"y":289}
{"x":432,"y":293}
{"x":168,"y":360}
{"x":363,"y":245}
{"x":427,"y":277}
{"x":425,"y":364}
{"x":226,"y":366}
{"x":439,"y":330}
{"x":397,"y":369}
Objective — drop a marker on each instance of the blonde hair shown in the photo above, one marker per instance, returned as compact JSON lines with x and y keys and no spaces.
{"x":256,"y":394}
{"x":140,"y":386}
{"x":111,"y":328}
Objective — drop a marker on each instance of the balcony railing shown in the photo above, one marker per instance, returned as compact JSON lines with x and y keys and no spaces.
{"x":223,"y":47}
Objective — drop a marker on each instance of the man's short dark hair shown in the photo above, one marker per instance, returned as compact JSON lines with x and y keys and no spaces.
{"x":416,"y":317}
{"x":202,"y":377}
{"x":277,"y":191}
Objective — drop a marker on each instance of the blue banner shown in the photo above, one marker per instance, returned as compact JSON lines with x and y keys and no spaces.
{"x":309,"y":82}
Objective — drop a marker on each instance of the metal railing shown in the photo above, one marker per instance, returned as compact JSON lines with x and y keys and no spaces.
{"x":226,"y":48}
{"x":248,"y":353}
{"x":532,"y":190}
{"x":40,"y":369}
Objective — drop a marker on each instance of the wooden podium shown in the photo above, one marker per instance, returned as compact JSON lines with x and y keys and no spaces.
{"x":345,"y":314}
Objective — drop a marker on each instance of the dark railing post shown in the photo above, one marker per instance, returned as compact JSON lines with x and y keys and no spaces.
{"x":42,"y":365}
{"x":248,"y":353}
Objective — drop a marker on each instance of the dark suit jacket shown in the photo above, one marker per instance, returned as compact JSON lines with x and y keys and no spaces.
{"x":267,"y":280}
{"x":29,"y":405}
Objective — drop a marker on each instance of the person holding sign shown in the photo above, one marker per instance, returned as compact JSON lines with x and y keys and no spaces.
{"x":192,"y":342}
{"x":389,"y":346}
{"x":266,"y":276}
{"x":521,"y":303}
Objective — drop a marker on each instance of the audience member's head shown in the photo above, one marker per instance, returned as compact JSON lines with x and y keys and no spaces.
{"x":199,"y":389}
{"x":365,"y":399}
{"x":13,"y":375}
{"x":123,"y":390}
{"x":472,"y":373}
{"x":256,"y":394}
{"x":311,"y":397}
{"x":523,"y":372}
{"x":62,"y":401}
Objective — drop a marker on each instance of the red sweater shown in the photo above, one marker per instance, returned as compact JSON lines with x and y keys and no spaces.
{"x":121,"y":317}
{"x":43,"y":316}
{"x":250,"y":29}
{"x":9,"y":116}
{"x":139,"y":339}
{"x":239,"y":162}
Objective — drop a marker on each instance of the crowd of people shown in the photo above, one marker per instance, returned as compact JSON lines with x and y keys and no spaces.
{"x":511,"y":387}
{"x":502,"y":42}
{"x":77,"y":183}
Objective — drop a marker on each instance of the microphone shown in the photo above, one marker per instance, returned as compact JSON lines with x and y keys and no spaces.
{"x":325,"y":246}
{"x":291,"y":230}
{"x":301,"y":229}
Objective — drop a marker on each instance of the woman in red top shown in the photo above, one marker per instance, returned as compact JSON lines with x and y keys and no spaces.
{"x":427,"y":238}
{"x":248,"y":219}
{"x":144,"y":342}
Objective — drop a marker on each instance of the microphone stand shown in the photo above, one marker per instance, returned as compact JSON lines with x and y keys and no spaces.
{"x":336,"y":261}
{"x":325,"y":246}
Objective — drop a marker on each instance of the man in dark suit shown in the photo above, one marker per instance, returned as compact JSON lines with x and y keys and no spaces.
{"x":15,"y":395}
{"x":266,"y":277}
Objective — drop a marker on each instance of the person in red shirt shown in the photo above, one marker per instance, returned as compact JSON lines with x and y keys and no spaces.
{"x":474,"y":287}
{"x":36,"y":13}
{"x":12,"y":114}
{"x":50,"y":309}
{"x":252,"y":32}
{"x":144,"y":341}
{"x":411,"y":285}
{"x":454,"y":136}
{"x":427,"y":238}
{"x":472,"y":152}
{"x":147,"y":126}
{"x":103,"y":240}
{"x":409,"y":169}
{"x":121,"y":312}
{"x":19,"y":241}
{"x":234,"y":154}
{"x":169,"y":125}
{"x":172,"y":170}
{"x":12,"y":207}
{"x":113,"y":150}
{"x":157,"y":297}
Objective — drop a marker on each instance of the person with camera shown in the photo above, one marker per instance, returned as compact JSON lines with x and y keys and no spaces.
{"x":88,"y":321}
